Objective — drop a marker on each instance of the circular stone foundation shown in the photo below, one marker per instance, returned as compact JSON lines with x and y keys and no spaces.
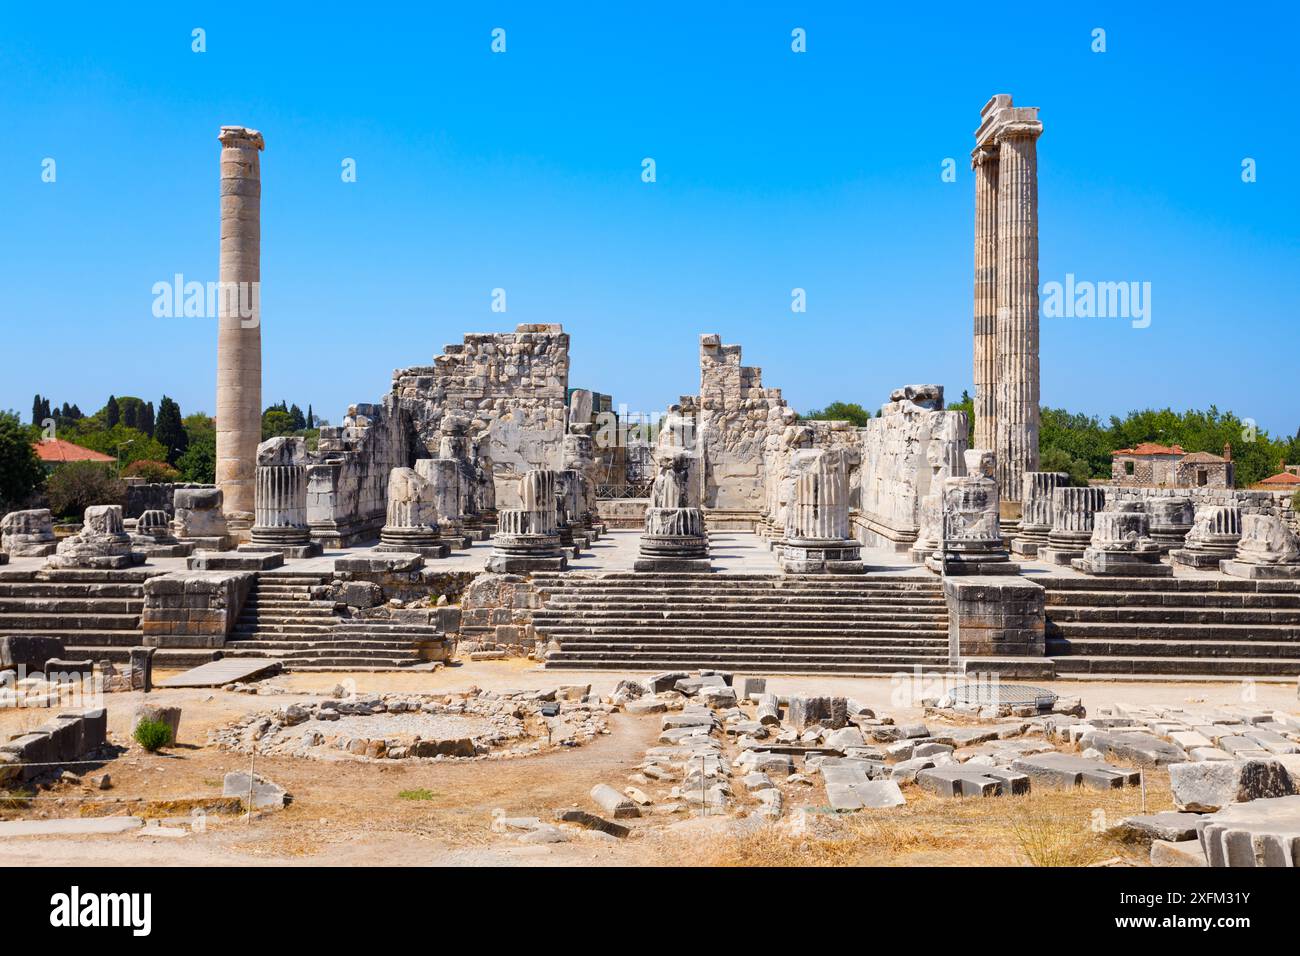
{"x":475,"y":724}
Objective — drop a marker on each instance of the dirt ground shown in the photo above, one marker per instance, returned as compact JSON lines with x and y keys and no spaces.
{"x":347,"y":812}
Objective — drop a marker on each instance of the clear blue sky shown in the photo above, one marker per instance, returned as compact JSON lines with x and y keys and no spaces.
{"x":523,"y":171}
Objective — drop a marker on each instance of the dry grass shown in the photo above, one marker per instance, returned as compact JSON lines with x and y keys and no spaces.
{"x":1047,"y":827}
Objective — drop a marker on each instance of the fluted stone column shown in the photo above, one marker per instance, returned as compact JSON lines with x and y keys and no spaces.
{"x":817,"y":539}
{"x":411,"y":521}
{"x":1122,"y":545}
{"x":985,"y":163}
{"x":1171,"y":521}
{"x":280,"y":502}
{"x":972,"y":533}
{"x":101,"y":543}
{"x":527,"y":538}
{"x":1268,"y":550}
{"x":1073,"y":511}
{"x":239,"y":335}
{"x":153,"y":536}
{"x":1213,"y":539}
{"x":1017,"y":310}
{"x":1036,"y":515}
{"x":444,"y":476}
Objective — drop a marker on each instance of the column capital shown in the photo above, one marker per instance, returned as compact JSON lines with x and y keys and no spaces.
{"x":981,"y":155}
{"x":1000,"y":120}
{"x":234,"y":137}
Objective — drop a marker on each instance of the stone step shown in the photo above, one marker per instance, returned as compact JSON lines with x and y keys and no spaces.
{"x":1137,"y":647}
{"x":272,"y":627}
{"x":121,"y":637}
{"x":711,"y":585}
{"x":164,"y":658}
{"x":83,"y":575}
{"x":1171,"y":585}
{"x":1174,"y":615}
{"x":812,"y":619}
{"x":736,"y":631}
{"x":695,"y":651}
{"x":38,"y":590}
{"x":323,"y":647}
{"x":766,"y":603}
{"x":1240,"y":666}
{"x":1173,"y":631}
{"x":752,"y":665}
{"x":1214,"y":599}
{"x":69,"y":605}
{"x":10,"y":622}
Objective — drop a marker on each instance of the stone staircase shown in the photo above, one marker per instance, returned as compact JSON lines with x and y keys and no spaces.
{"x":1211,"y":627}
{"x":281,"y":621}
{"x":96,"y":614}
{"x":764,"y":623}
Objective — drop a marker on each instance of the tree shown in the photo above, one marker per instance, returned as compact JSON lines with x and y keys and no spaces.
{"x":75,"y":486}
{"x":169,"y":430}
{"x":199,"y":463}
{"x":299,"y":420}
{"x":21,"y":472}
{"x":147,"y":420}
{"x":967,"y":405}
{"x":840,"y":412}
{"x":36,"y":409}
{"x":311,"y":419}
{"x":276,"y":422}
{"x":112,"y":414}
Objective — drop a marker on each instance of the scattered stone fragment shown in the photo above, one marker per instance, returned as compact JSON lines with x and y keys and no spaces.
{"x":592,"y":822}
{"x":1264,"y":832}
{"x":1213,"y":784}
{"x":1182,"y":853}
{"x":264,"y":793}
{"x":1168,"y":826}
{"x":613,"y":802}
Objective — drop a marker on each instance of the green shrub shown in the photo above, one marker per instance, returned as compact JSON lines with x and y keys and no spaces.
{"x":152,"y":735}
{"x":420,"y":794}
{"x":75,"y":486}
{"x":154,"y":472}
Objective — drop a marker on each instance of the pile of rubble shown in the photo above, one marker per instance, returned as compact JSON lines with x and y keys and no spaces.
{"x":721,"y":739}
{"x":1235,"y":776}
{"x":465,"y":724}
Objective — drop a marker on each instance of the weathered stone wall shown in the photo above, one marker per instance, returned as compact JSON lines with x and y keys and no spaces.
{"x":193,"y":608}
{"x":142,"y":496}
{"x":995,"y":617}
{"x":347,"y":476}
{"x":513,"y":383}
{"x":895,"y":473}
{"x":780,"y":446}
{"x":1277,"y":503}
{"x":496,"y":616}
{"x":736,"y":416}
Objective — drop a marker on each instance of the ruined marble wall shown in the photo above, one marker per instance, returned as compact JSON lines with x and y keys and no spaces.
{"x":347,"y":475}
{"x":1276,"y":503}
{"x":780,"y":446}
{"x":895,"y":472}
{"x":513,"y":383}
{"x":736,"y":415}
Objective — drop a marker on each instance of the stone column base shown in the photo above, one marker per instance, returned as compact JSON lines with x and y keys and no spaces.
{"x":1062,"y":557}
{"x":991,"y":561}
{"x":436,"y":549}
{"x":1201,"y":560}
{"x":311,"y":549}
{"x":1122,"y":564}
{"x":1260,"y":572}
{"x":214,"y":543}
{"x":674,"y":565}
{"x":523,"y":564}
{"x":812,"y":556}
{"x":1030,"y":541}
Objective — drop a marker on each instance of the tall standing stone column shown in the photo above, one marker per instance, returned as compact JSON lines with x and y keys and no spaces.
{"x":984,"y":160}
{"x":239,"y":333}
{"x":1017,"y":310}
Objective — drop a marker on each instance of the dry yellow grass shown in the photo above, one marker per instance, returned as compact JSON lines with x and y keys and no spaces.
{"x":1047,"y":827}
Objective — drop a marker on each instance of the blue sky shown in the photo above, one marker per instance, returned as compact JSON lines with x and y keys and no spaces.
{"x":522,"y":171}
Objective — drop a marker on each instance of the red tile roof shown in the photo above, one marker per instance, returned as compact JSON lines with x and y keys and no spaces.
{"x":1285,"y":478}
{"x":1151,"y":448}
{"x":57,"y":450}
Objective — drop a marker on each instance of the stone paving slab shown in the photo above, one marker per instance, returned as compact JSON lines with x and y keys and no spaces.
{"x":228,"y":670}
{"x":77,"y":826}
